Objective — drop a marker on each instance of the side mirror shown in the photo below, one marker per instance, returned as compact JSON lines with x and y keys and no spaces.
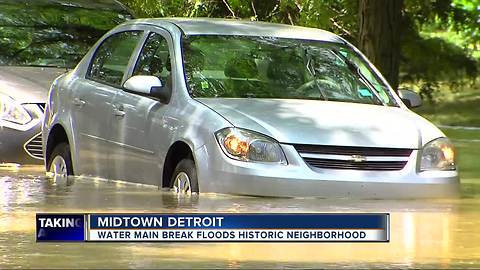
{"x":410,"y":98}
{"x":148,"y":86}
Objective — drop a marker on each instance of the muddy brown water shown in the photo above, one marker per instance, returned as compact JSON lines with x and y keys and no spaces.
{"x":424,"y":233}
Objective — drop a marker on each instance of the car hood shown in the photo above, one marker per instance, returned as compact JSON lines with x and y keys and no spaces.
{"x":27,"y":84}
{"x":327,"y":122}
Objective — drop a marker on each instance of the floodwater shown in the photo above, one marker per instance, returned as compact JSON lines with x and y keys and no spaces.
{"x":424,"y":233}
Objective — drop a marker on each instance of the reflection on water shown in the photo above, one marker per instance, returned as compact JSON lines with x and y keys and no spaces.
{"x":433,"y":233}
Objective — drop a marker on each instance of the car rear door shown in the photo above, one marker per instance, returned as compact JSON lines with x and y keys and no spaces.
{"x":93,"y":101}
{"x":137,"y":126}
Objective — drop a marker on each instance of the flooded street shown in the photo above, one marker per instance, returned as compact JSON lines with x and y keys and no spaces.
{"x":424,"y":233}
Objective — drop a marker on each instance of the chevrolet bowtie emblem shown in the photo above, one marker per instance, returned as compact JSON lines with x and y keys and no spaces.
{"x":358,"y":158}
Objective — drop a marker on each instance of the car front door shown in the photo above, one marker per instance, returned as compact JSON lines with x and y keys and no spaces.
{"x":137,"y":127}
{"x":93,"y":101}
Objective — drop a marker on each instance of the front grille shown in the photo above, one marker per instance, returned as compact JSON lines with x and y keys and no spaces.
{"x":352,"y":150}
{"x":34,"y":147}
{"x":351,"y":165}
{"x":354,"y":158}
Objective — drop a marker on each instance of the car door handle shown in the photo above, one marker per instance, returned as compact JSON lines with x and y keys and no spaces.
{"x":78,"y":102}
{"x":118,"y":111}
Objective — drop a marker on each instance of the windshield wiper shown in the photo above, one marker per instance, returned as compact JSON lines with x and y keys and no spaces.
{"x":356,"y":70}
{"x":368,"y":83}
{"x":311,"y":69}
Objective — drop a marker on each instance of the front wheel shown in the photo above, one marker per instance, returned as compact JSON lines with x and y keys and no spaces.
{"x":60,"y":162}
{"x":184,"y":179}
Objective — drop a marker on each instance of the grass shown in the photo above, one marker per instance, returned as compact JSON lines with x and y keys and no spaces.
{"x":454,"y":109}
{"x":459,"y":109}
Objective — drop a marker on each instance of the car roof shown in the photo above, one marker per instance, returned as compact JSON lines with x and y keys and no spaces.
{"x":210,"y":26}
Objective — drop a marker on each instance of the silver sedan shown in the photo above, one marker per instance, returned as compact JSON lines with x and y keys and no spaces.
{"x":208,"y":105}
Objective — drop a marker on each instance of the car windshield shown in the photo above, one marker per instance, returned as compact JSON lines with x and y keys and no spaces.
{"x":54,"y":33}
{"x":269,"y":67}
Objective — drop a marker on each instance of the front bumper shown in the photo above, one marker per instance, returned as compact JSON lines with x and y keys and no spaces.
{"x":218,"y":173}
{"x":23,"y":146}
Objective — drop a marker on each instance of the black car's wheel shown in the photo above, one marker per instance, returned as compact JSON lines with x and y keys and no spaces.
{"x":184,"y":179}
{"x":60,"y":162}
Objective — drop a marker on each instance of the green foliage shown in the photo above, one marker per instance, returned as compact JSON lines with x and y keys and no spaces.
{"x":158,"y":8}
{"x":466,"y":19}
{"x":53,"y":34}
{"x":339,"y":16}
{"x":428,"y":62}
{"x":439,"y":45}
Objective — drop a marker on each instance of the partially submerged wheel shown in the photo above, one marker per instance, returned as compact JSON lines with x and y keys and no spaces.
{"x":184,"y":179}
{"x":60,"y":162}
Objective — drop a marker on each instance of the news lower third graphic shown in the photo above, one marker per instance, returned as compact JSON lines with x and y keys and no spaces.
{"x":213,"y":227}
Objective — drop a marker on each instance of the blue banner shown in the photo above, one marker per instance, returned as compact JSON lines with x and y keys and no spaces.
{"x":238,"y":221}
{"x":60,"y":227}
{"x":213,"y":227}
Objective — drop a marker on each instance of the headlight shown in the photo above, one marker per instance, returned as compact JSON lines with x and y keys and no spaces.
{"x":12,"y":111}
{"x":247,"y":145}
{"x":438,"y":154}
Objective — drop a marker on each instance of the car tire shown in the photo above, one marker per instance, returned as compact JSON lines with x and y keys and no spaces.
{"x":60,"y":161}
{"x":184,"y":178}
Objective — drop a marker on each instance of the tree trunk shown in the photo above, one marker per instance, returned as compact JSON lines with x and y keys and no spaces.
{"x":379,"y":35}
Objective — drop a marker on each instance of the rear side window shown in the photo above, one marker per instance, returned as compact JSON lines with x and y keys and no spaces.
{"x":111,"y":59}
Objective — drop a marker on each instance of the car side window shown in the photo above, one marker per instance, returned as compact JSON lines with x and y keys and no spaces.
{"x":154,"y":59}
{"x":110,"y":61}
